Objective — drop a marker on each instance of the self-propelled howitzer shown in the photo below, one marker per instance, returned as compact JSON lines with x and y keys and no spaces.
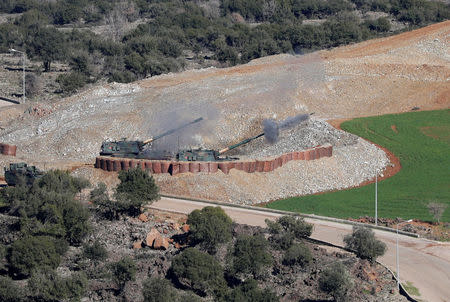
{"x":133,"y":149}
{"x":212,"y":155}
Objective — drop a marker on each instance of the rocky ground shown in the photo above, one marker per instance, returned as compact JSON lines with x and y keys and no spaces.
{"x":130,"y":237}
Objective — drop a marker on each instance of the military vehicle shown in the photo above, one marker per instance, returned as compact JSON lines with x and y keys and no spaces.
{"x":134,"y":149}
{"x":271,"y":133}
{"x":211,"y":155}
{"x":21,"y":173}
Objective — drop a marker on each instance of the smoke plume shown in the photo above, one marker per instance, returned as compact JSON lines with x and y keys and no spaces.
{"x":272,"y":128}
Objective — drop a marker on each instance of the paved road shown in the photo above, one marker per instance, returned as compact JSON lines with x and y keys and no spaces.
{"x":424,"y":263}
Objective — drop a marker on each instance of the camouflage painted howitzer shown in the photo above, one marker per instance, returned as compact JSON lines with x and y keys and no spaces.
{"x":134,"y":149}
{"x":212,"y":155}
{"x":21,"y":173}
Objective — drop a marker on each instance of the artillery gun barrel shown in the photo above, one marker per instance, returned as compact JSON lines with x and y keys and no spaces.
{"x":171,"y":131}
{"x":245,"y":141}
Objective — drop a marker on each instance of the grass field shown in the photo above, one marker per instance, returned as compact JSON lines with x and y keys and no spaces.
{"x":421,"y":140}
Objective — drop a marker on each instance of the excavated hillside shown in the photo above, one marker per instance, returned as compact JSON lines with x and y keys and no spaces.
{"x":387,"y":75}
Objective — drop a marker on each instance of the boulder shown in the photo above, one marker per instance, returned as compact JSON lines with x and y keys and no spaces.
{"x":151,"y":236}
{"x":137,"y":244}
{"x":185,"y":228}
{"x":161,"y":243}
{"x":143,"y":217}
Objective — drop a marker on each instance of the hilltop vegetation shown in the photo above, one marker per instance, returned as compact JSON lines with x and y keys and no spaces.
{"x":171,"y":35}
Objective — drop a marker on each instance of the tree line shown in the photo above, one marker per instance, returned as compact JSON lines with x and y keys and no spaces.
{"x":178,"y":31}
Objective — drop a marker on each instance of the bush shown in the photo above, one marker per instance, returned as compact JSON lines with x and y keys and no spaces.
{"x":282,"y":241}
{"x":49,"y":207}
{"x":71,"y":82}
{"x":335,"y":281}
{"x":136,"y":188}
{"x":363,"y":242}
{"x":29,"y":253}
{"x":9,"y":292}
{"x":189,"y":297}
{"x":249,"y":292}
{"x":95,"y":251}
{"x":123,"y":271}
{"x":297,"y":254}
{"x":62,"y":182}
{"x":436,"y":209}
{"x":250,"y":255}
{"x":210,"y":226}
{"x":33,"y":85}
{"x":297,"y":226}
{"x":287,"y":228}
{"x":48,"y":286}
{"x":99,"y":194}
{"x":199,"y":271}
{"x":158,"y":290}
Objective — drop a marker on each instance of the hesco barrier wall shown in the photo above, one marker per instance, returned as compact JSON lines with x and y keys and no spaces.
{"x":177,"y":167}
{"x":8,"y":149}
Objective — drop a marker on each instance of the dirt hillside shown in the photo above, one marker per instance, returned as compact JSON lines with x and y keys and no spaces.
{"x":375,"y":77}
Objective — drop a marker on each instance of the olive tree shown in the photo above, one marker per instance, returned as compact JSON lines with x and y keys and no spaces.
{"x":135,"y":189}
{"x":363,"y":242}
{"x":210,"y":226}
{"x":335,"y":281}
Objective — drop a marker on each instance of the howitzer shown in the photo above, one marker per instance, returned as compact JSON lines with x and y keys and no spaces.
{"x":212,"y":155}
{"x":133,"y":149}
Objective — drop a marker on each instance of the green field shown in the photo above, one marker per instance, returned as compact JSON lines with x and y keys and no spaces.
{"x":422,"y":143}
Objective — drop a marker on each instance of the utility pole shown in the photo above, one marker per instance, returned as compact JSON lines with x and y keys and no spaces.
{"x":376,"y":198}
{"x":24,"y":57}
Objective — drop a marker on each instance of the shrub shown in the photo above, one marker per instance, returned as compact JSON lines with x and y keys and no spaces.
{"x":297,"y":226}
{"x":62,"y":182}
{"x":282,"y":241}
{"x":189,"y":297}
{"x":29,"y":253}
{"x":210,"y":226}
{"x":9,"y":292}
{"x":158,"y":290}
{"x":99,"y":194}
{"x":436,"y":209}
{"x":287,"y":228}
{"x":335,"y":281}
{"x":136,"y":188}
{"x":297,"y":254}
{"x":95,"y":251}
{"x":75,"y":217}
{"x":363,"y":242}
{"x":71,"y":82}
{"x":250,"y":255}
{"x":33,"y":85}
{"x":48,"y":286}
{"x":199,"y":271}
{"x":249,"y":292}
{"x":123,"y":271}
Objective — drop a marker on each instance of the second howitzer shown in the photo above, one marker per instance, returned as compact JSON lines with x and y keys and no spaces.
{"x":212,"y":155}
{"x":134,"y":149}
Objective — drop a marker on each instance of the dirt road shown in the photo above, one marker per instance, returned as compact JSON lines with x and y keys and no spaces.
{"x":424,"y":263}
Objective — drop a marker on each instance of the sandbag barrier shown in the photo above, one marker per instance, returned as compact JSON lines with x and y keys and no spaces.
{"x":6,"y":149}
{"x":177,"y":167}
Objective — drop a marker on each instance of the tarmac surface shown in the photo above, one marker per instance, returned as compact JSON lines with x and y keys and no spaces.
{"x":424,"y":263}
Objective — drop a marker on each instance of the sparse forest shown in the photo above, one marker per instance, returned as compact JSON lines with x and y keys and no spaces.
{"x":142,"y":38}
{"x":47,"y":251}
